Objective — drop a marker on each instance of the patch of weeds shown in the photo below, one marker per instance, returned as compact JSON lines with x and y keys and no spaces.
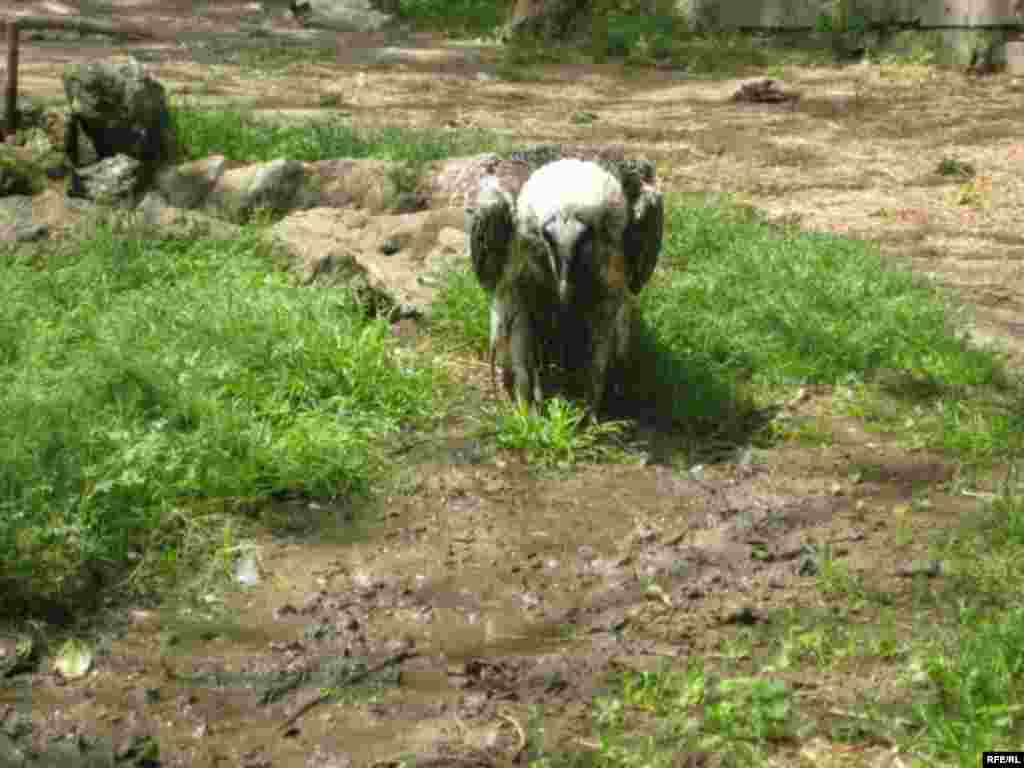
{"x":514,"y":73}
{"x":955,"y":168}
{"x":643,"y":36}
{"x":913,"y":49}
{"x":904,"y":534}
{"x":866,"y":471}
{"x":151,"y":386}
{"x":460,"y":314}
{"x":837,"y":581}
{"x":277,"y":56}
{"x":555,"y":435}
{"x":749,"y":709}
{"x":972,"y":692}
{"x":331,"y":100}
{"x":651,"y":718}
{"x":721,"y":54}
{"x":456,"y":17}
{"x":242,"y":137}
{"x":810,"y":432}
{"x":522,"y":59}
{"x":967,"y":673}
{"x":976,"y":193}
{"x":582,"y":118}
{"x":985,"y":550}
{"x":739,"y":647}
{"x":824,"y":639}
{"x":921,"y":501}
{"x":807,"y":644}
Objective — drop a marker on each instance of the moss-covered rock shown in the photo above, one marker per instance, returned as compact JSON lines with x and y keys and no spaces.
{"x":18,"y":174}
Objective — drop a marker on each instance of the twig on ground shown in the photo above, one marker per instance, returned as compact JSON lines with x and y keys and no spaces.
{"x":398,"y":658}
{"x":519,"y":730}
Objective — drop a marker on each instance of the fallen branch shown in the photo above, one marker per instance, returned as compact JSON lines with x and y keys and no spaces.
{"x":84,"y":26}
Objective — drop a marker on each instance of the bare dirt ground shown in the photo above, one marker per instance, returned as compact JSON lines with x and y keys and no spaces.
{"x":482,"y":591}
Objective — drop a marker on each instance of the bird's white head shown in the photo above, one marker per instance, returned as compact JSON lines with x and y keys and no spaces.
{"x":575,"y":208}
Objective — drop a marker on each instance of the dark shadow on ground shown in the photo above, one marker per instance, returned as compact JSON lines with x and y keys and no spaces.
{"x":682,"y":408}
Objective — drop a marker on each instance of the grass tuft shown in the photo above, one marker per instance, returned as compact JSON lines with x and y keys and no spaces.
{"x":557,"y":435}
{"x":456,"y":17}
{"x":969,"y":676}
{"x":242,"y":137}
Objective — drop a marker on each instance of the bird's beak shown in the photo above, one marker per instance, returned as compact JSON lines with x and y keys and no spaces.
{"x":564,"y":286}
{"x":563,"y":236}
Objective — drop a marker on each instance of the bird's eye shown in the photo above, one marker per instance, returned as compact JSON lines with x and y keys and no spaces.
{"x":586,"y":242}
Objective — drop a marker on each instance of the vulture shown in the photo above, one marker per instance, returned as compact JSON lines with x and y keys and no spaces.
{"x":561,"y":265}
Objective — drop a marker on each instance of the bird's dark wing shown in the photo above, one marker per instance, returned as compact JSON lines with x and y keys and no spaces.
{"x":643,"y":235}
{"x":491,"y":230}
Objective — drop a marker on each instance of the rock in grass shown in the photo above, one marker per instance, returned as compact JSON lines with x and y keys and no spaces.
{"x":123,"y":110}
{"x":272,"y":186}
{"x":114,"y":181}
{"x":18,"y":175}
{"x":189,"y":184}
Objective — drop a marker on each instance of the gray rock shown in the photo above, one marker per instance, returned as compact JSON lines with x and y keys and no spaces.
{"x":928,"y":568}
{"x":30,"y":233}
{"x":345,"y":247}
{"x":16,"y":221}
{"x":156,"y":213}
{"x":273,"y":186}
{"x":350,"y":183}
{"x":122,"y":110}
{"x":188,"y":185}
{"x":341,"y":15}
{"x":113,"y":181}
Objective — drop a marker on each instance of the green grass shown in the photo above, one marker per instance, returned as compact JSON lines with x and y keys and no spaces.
{"x":679,"y":711}
{"x":969,"y":675}
{"x":456,"y":17}
{"x":273,"y":56}
{"x":640,"y":39}
{"x":739,"y":312}
{"x":556,"y":435}
{"x":145,"y":382}
{"x":972,"y":697}
{"x":241,"y":137}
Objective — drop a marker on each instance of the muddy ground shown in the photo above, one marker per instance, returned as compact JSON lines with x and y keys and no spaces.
{"x":476,"y":593}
